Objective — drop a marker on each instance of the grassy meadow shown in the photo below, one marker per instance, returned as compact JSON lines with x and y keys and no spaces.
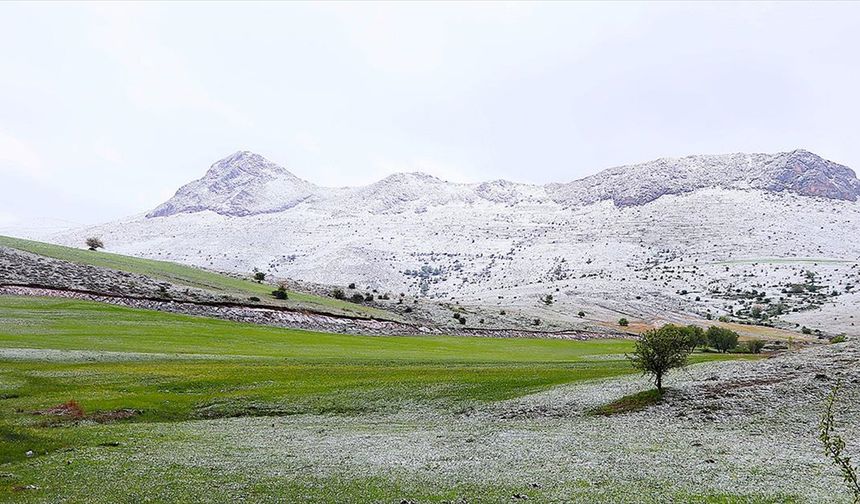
{"x":81,"y":381}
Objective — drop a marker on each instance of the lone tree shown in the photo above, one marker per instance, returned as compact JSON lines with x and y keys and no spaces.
{"x":659,"y":350}
{"x":259,"y":276}
{"x":623,"y":322}
{"x":94,"y":243}
{"x":722,"y":339}
{"x":834,"y":446}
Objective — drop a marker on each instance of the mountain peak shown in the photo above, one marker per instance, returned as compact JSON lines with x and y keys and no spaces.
{"x":243,"y":183}
{"x":245,"y":162}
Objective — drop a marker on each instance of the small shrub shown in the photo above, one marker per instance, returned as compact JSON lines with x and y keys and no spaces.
{"x":408,"y":309}
{"x":94,"y":243}
{"x":623,"y":322}
{"x":351,"y":286}
{"x":536,"y":322}
{"x":840,"y":338}
{"x":834,"y":446}
{"x":581,"y":314}
{"x":368,"y":297}
{"x":755,"y":345}
{"x":338,"y":294}
{"x":259,"y":276}
{"x":462,"y":320}
{"x":280,"y":293}
{"x":253,"y":298}
{"x":502,"y":312}
{"x":805,"y":330}
{"x":357,"y":298}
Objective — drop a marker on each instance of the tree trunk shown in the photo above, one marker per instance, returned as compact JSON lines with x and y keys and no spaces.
{"x":659,"y":381}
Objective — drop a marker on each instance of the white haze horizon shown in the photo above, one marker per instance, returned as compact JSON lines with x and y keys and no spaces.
{"x":109,"y":108}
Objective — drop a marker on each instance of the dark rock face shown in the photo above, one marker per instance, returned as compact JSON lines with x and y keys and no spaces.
{"x":806,"y":174}
{"x":800,"y":172}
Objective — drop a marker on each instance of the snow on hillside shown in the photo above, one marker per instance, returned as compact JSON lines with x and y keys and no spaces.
{"x":700,"y":236}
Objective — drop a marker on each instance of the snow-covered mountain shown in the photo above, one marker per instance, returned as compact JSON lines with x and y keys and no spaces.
{"x":248,"y":184}
{"x":661,"y":239}
{"x":242,"y":184}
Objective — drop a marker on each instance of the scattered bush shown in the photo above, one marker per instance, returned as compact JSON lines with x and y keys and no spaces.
{"x":462,"y":320}
{"x":755,"y":345}
{"x":357,"y":298}
{"x":840,"y":338}
{"x":338,"y":294}
{"x":722,"y":339}
{"x":547,"y":300}
{"x":623,"y":322}
{"x":408,"y":309}
{"x":351,"y":286}
{"x":253,"y":298}
{"x":280,"y":293}
{"x":94,"y":243}
{"x":581,"y":313}
{"x":805,"y":330}
{"x":536,"y":322}
{"x":660,"y":350}
{"x":368,"y":297}
{"x":259,"y":276}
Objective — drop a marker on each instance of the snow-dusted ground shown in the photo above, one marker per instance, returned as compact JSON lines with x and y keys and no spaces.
{"x":606,"y":260}
{"x":660,"y":241}
{"x":730,"y":428}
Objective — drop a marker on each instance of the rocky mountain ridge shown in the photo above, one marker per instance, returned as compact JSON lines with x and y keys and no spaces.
{"x":756,"y":238}
{"x":246,"y":184}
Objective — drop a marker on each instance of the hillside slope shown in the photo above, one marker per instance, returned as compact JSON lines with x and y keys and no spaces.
{"x":752,"y":237}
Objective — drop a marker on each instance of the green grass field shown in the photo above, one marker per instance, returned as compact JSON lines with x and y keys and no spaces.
{"x":139,"y":372}
{"x":191,"y":277}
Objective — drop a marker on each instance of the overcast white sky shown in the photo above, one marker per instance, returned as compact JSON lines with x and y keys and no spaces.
{"x":106,"y":109}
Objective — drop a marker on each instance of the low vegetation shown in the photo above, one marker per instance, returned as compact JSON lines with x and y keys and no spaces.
{"x":834,"y":446}
{"x":94,"y":243}
{"x":630,"y":403}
